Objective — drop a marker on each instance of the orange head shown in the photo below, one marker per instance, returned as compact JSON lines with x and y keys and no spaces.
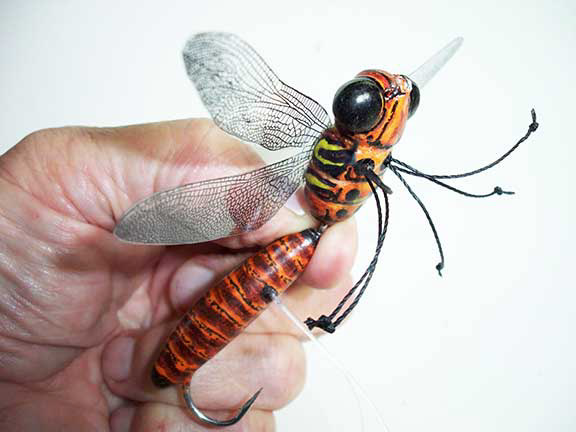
{"x":374,"y":106}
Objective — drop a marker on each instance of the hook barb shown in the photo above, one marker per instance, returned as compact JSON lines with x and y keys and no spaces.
{"x":209,"y":420}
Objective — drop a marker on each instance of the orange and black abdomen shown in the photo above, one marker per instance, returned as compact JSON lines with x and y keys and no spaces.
{"x":230,"y":305}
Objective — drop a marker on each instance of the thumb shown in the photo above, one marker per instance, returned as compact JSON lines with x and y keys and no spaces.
{"x":176,"y":153}
{"x":95,"y":174}
{"x":152,"y":157}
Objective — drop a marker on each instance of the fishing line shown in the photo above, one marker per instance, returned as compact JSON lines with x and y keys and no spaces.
{"x":358,"y":390}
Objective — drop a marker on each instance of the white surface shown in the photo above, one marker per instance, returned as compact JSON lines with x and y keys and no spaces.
{"x":488,"y":347}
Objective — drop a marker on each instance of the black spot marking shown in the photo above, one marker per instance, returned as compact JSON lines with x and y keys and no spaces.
{"x":351,"y":195}
{"x":268,"y":294}
{"x":159,"y":380}
{"x":341,"y":213}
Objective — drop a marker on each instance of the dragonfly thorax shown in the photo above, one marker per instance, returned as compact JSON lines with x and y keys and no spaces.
{"x":335,"y":189}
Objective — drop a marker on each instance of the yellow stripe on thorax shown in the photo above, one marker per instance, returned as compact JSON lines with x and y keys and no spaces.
{"x":323,"y":144}
{"x":313,"y":180}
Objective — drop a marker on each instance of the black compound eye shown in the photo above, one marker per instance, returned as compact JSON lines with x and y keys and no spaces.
{"x":414,"y":99}
{"x":357,"y":105}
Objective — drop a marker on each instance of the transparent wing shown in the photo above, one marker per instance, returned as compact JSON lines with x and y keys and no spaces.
{"x":244,"y":96}
{"x":213,"y":209}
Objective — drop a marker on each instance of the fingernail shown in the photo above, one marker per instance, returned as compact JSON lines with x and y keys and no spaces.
{"x":191,"y":278}
{"x":117,"y":360}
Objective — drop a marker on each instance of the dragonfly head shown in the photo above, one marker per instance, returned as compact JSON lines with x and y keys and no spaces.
{"x":374,"y":106}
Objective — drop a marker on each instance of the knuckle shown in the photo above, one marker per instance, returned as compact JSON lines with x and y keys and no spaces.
{"x":54,"y":137}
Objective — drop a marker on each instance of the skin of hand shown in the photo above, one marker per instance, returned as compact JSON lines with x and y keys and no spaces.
{"x":82,"y":315}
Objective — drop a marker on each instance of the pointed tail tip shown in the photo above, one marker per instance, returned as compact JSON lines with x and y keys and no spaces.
{"x":457,"y":41}
{"x":450,"y":49}
{"x":454,"y":45}
{"x":430,"y":68}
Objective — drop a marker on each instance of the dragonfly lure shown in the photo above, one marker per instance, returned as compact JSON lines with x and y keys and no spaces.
{"x":341,"y":165}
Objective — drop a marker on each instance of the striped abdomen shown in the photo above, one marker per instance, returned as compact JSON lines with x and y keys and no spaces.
{"x":230,"y":305}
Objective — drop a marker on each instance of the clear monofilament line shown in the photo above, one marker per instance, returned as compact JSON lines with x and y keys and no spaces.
{"x":356,"y":387}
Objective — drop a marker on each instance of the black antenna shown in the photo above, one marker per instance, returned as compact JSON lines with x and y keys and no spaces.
{"x":440,"y":265}
{"x":397,"y":167}
{"x":531,"y":129}
{"x":327,"y":323}
{"x":413,"y":172}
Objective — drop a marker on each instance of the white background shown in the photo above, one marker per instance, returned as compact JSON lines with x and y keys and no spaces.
{"x":488,"y":347}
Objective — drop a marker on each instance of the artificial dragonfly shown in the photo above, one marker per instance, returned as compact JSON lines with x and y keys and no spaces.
{"x":339,"y":163}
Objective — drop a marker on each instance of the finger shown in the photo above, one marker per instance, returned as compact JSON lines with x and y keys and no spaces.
{"x":331,"y":263}
{"x":161,"y":156}
{"x":122,"y":419}
{"x":304,"y":302}
{"x":275,"y":363}
{"x":169,"y":418}
{"x":334,"y":256}
{"x":151,"y":157}
{"x":193,"y":269}
{"x":100,"y":172}
{"x":282,"y":223}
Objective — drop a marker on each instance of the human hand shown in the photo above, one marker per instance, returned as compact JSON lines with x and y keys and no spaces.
{"x":82,"y":314}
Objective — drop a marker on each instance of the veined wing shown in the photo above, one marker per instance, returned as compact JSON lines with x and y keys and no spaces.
{"x":213,"y":209}
{"x":246,"y":99}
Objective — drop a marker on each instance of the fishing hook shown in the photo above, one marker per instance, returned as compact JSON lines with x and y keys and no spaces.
{"x":206,"y":419}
